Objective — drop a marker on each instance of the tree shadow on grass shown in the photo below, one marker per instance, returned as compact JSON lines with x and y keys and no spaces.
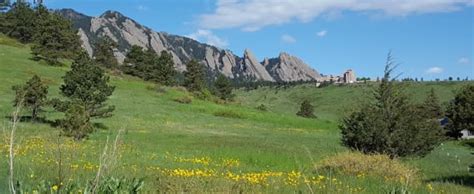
{"x":464,"y":180}
{"x":38,"y":120}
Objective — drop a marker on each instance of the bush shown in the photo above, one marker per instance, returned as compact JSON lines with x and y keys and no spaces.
{"x":77,"y":122}
{"x":378,"y":166}
{"x":228,"y":114}
{"x":306,"y":110}
{"x":184,"y":99}
{"x":205,"y":94}
{"x":262,"y":107}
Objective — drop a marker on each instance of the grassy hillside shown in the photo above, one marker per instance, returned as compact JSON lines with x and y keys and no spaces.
{"x":334,"y":101}
{"x":185,"y":147}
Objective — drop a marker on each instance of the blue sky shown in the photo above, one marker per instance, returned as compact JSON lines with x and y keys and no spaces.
{"x":429,"y":38}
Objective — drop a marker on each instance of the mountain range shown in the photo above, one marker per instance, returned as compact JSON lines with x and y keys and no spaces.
{"x":127,"y":32}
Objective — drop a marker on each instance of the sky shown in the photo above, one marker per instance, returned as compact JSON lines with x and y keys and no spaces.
{"x":428,"y":38}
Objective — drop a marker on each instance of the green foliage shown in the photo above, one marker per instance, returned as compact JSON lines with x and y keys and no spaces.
{"x":149,"y":66}
{"x":228,"y":114}
{"x":460,"y":112}
{"x":87,"y":84}
{"x":32,"y":95}
{"x":306,"y":110}
{"x":121,"y":185}
{"x":194,"y":76}
{"x":19,"y":22}
{"x":184,"y":99}
{"x":262,"y":107}
{"x":76,"y":123}
{"x":431,"y":106}
{"x":223,"y":87}
{"x":54,"y":37}
{"x":390,"y":124}
{"x":165,"y":71}
{"x":104,"y":53}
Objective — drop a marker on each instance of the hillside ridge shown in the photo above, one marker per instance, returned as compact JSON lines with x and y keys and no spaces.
{"x":127,"y":32}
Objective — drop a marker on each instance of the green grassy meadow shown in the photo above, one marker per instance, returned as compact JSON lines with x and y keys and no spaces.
{"x":178,"y":147}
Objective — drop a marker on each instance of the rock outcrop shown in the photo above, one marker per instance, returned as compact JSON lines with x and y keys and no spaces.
{"x":289,"y":68}
{"x":127,"y":32}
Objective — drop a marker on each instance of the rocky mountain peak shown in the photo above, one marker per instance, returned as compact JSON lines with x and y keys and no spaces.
{"x":72,"y":14}
{"x":112,"y":14}
{"x":290,"y":68}
{"x":127,"y":32}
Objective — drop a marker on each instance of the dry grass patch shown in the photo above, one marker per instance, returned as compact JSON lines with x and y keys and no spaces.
{"x":377,"y":166}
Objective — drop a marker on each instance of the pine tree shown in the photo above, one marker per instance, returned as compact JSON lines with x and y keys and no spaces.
{"x":223,"y":87}
{"x":460,"y":112}
{"x":390,"y":124}
{"x":104,"y":53}
{"x":306,"y":110}
{"x":76,"y":123}
{"x":165,"y":69}
{"x":32,"y":95}
{"x":149,"y":69}
{"x":88,"y":85}
{"x":19,"y":22}
{"x":54,"y":37}
{"x":135,"y":58}
{"x":194,"y":76}
{"x":431,"y":106}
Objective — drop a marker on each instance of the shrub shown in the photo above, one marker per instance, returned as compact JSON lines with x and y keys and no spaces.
{"x":77,"y":122}
{"x":378,"y":166}
{"x":228,"y":114}
{"x":306,"y":110}
{"x":205,"y":94}
{"x":184,"y":99}
{"x":262,"y":107}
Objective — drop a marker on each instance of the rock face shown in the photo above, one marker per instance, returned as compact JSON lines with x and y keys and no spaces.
{"x":289,"y":68}
{"x":126,"y":32}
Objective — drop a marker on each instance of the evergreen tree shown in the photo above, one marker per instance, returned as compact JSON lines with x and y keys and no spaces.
{"x":88,"y":85}
{"x":135,"y":58}
{"x":194,"y":76}
{"x":55,"y":38}
{"x":19,"y":22}
{"x":77,"y":122}
{"x":104,"y":53}
{"x":223,"y":87}
{"x":460,"y":112}
{"x":149,"y":68}
{"x":32,"y":95}
{"x":390,"y":124}
{"x":306,"y":110}
{"x":431,"y":106}
{"x":165,"y":70}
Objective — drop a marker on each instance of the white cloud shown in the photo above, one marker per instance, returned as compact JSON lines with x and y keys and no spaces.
{"x":288,"y":39}
{"x":464,"y":60}
{"x":208,"y":37}
{"x":142,"y":8}
{"x":322,"y":33}
{"x":435,"y":70}
{"x":252,"y":15}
